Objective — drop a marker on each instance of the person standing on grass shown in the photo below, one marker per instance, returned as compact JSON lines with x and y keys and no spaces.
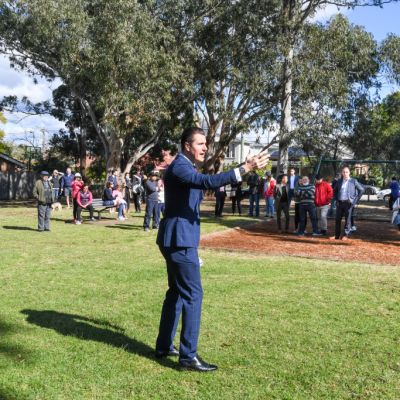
{"x":394,"y":192}
{"x":76,"y":187}
{"x":84,"y":200}
{"x":137,"y":190}
{"x":220,"y":195}
{"x":253,"y":182}
{"x":281,"y":197}
{"x":127,"y":191}
{"x":236,"y":197}
{"x":306,"y":197}
{"x":55,"y":181}
{"x":44,"y":194}
{"x":323,"y":197}
{"x":396,"y":213}
{"x":161,"y":198}
{"x":66,"y":185}
{"x":269,"y":187}
{"x":347,"y":194}
{"x":293,"y":181}
{"x":178,"y":239}
{"x":152,"y":190}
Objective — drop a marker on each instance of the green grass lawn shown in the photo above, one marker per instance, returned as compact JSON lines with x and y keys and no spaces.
{"x":80,"y":307}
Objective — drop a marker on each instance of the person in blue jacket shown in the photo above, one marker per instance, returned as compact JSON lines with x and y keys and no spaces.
{"x":178,"y":239}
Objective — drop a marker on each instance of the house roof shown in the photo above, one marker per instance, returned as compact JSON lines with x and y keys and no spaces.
{"x":293,"y":152}
{"x":12,"y":160}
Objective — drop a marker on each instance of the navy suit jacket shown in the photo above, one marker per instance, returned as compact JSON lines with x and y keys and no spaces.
{"x":184,"y":187}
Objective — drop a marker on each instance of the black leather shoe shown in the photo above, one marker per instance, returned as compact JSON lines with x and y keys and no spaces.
{"x":164,"y":353}
{"x":197,"y":364}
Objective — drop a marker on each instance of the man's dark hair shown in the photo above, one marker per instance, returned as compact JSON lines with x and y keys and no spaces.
{"x":345,"y":166}
{"x":187,"y":135}
{"x":394,"y":178}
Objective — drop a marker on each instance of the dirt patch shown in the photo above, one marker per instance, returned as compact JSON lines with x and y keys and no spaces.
{"x":373,"y":242}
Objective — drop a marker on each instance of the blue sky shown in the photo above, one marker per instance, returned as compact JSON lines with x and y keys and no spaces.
{"x":379,"y":21}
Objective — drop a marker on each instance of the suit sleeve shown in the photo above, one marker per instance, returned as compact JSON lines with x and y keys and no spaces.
{"x":360,"y":189}
{"x":194,"y":179}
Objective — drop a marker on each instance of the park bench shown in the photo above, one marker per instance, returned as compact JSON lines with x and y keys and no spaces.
{"x":98,"y":207}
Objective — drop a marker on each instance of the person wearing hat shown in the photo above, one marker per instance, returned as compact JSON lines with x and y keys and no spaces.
{"x":44,"y":194}
{"x":77,"y":186}
{"x":152,"y":189}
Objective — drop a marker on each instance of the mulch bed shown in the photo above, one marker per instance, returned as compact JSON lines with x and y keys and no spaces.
{"x":374,"y":242}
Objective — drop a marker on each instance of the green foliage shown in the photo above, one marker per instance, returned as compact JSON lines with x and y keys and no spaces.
{"x":118,"y":61}
{"x":336,"y":66}
{"x":4,"y":146}
{"x":390,"y":50}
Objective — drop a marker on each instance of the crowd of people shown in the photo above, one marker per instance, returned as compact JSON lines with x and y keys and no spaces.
{"x":116,"y":195}
{"x":311,"y":201}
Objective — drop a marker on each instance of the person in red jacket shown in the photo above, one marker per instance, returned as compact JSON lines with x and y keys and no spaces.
{"x":269,"y":187}
{"x":323,"y":197}
{"x":77,"y":186}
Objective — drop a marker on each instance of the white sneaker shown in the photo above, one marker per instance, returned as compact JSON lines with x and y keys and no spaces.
{"x":78,"y":222}
{"x":121,"y":218}
{"x":353,"y":228}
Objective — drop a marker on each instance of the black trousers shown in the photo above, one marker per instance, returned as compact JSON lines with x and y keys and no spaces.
{"x":136,"y":200}
{"x":79,"y":211}
{"x":236,"y":201}
{"x":343,"y":209}
{"x":285,"y":208}
{"x":75,"y":209}
{"x":297,"y":217}
{"x":219,"y":205}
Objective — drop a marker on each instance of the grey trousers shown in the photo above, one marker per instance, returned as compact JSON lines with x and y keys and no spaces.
{"x":44,"y":213}
{"x":322,"y":214}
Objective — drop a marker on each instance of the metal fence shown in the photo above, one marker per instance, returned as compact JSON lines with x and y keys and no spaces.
{"x":16,"y":185}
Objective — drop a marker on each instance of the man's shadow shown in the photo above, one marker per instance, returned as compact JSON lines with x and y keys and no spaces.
{"x":91,"y":329}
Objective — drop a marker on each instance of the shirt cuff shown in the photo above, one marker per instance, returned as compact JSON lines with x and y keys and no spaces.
{"x":238,"y":176}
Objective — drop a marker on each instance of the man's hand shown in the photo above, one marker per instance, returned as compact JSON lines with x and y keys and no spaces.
{"x":256,"y":162}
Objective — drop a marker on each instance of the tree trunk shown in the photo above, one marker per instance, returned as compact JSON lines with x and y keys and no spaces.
{"x":82,"y":151}
{"x":113,"y":161}
{"x":286,"y":114}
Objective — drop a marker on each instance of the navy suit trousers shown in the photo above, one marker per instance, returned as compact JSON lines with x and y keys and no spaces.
{"x":184,"y":296}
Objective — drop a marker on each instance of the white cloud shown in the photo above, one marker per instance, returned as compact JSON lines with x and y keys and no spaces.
{"x":325,"y":13}
{"x":20,"y":84}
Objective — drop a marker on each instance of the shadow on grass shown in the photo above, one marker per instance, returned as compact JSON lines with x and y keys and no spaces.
{"x":19,"y":228}
{"x":83,"y":328}
{"x":6,"y":394}
{"x":126,"y":227}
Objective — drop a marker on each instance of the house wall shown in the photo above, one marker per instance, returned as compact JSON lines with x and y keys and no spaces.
{"x":16,"y":185}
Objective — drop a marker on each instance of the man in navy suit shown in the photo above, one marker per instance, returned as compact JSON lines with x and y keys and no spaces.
{"x":178,"y":239}
{"x":347,"y":193}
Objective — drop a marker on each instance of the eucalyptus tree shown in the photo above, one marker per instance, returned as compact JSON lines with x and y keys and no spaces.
{"x":230,"y":46}
{"x":118,"y":62}
{"x":293,"y":16}
{"x":337,"y":67}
